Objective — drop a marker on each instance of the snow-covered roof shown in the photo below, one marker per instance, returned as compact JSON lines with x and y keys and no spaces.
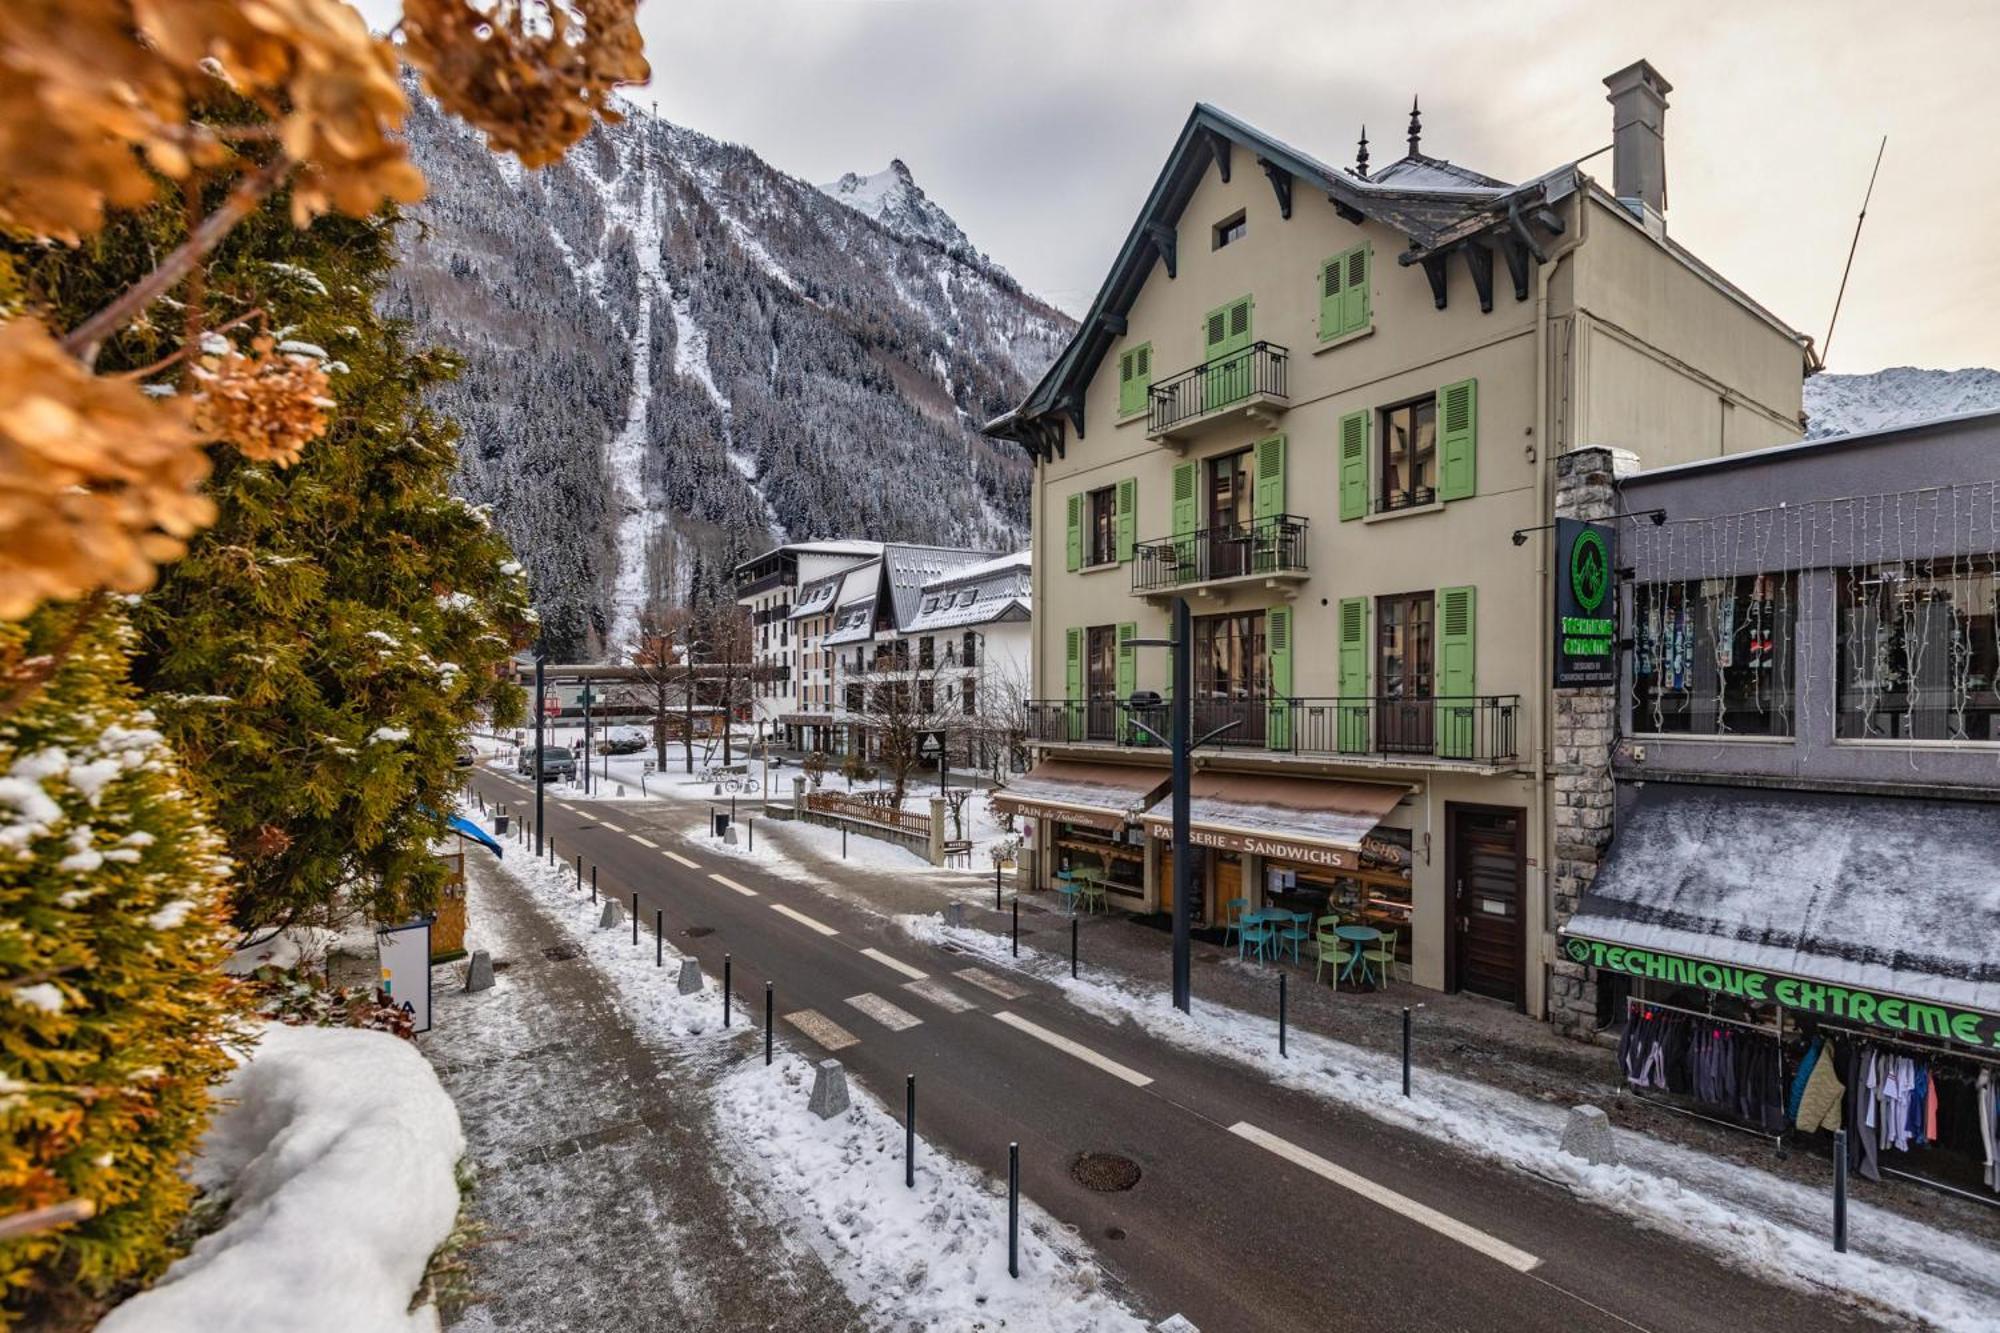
{"x":816,"y":598}
{"x":835,"y":548}
{"x":980,"y":594}
{"x":912,"y":568}
{"x":1872,"y":892}
{"x":855,"y":623}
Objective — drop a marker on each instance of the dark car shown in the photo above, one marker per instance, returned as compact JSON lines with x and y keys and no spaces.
{"x":557,"y":762}
{"x":468,"y":755}
{"x":624,"y":740}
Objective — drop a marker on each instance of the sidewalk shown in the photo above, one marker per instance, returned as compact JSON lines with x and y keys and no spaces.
{"x":597,"y":1183}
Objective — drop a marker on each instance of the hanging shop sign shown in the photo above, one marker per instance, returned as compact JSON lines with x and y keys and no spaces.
{"x":1869,"y":1008}
{"x":1586,"y":628}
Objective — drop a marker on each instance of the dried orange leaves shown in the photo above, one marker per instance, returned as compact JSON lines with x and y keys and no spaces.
{"x":269,"y":404}
{"x":98,"y":483}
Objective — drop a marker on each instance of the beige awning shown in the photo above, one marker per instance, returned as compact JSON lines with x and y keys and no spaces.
{"x":1103,"y":796}
{"x":1294,"y":819}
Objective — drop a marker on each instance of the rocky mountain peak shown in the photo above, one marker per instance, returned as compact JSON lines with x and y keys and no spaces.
{"x":893,"y":198}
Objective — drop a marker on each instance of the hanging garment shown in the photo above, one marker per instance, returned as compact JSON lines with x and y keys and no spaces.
{"x":1931,"y":1113}
{"x":1987,"y":1130}
{"x":1867,"y":1151}
{"x":1819,"y":1104}
{"x":1798,"y":1089}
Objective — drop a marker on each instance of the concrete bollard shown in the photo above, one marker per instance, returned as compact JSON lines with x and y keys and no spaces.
{"x":954,"y":914}
{"x":729,"y":836}
{"x":1175,"y":1323}
{"x":1587,"y":1134}
{"x":829,"y":1094}
{"x":690,"y":983}
{"x":609,"y":918}
{"x":479,"y":976}
{"x":621,"y":791}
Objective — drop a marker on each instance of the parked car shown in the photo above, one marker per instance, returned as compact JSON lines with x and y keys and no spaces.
{"x":557,"y":762}
{"x":624,"y":740}
{"x":468,"y":754}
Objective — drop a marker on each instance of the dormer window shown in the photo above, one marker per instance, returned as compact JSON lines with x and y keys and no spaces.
{"x":1230,"y":229}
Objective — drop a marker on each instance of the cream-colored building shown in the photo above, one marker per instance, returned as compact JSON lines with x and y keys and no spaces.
{"x":1321,"y":404}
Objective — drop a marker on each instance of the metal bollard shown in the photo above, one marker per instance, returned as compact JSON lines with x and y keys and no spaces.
{"x":1281,"y":1016}
{"x":725,"y":990}
{"x":1017,"y":927}
{"x":767,"y":1024}
{"x":1072,"y":948}
{"x":843,"y":842}
{"x":1406,"y":1050}
{"x":996,"y":886}
{"x":910,"y":1132}
{"x":659,"y":944}
{"x":1840,"y":1191}
{"x":635,"y":918}
{"x":579,"y":870}
{"x":593,"y":884}
{"x":750,"y":826}
{"x":1013,"y":1210}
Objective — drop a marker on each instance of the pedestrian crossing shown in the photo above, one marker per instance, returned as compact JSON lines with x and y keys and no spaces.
{"x":888,"y":1015}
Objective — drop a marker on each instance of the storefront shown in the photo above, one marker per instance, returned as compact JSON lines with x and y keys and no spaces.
{"x":1794,"y":962}
{"x":1084,"y":817}
{"x":1376,"y":892}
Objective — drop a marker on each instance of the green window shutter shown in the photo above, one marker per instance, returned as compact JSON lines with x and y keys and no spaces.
{"x":1187,"y":515}
{"x":1353,"y":710}
{"x":1128,"y":518}
{"x":1354,"y":290}
{"x":1458,"y":440}
{"x":1076,"y":531}
{"x":1330,"y":316}
{"x":1073,"y":682}
{"x":1354,"y":465}
{"x":1270,"y":484}
{"x":1125,"y":408}
{"x":1128,"y":681}
{"x":1278,"y":644}
{"x":1135,"y":379}
{"x":1457,"y":679}
{"x":1225,"y":331}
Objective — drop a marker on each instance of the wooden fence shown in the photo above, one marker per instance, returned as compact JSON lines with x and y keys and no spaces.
{"x":869,"y":808}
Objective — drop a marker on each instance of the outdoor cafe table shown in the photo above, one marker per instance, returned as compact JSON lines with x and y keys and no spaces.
{"x":1360,"y":937}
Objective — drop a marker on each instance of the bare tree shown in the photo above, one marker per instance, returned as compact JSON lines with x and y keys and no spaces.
{"x":657,"y":654}
{"x":1001,"y":716}
{"x":901,"y":708}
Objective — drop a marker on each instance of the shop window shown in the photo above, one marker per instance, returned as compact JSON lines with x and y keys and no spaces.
{"x":1713,"y":657}
{"x":1918,"y":655}
{"x":1408,"y":471}
{"x":1375,"y":893}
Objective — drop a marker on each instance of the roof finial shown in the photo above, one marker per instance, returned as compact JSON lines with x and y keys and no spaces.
{"x":1416,"y":126}
{"x":1361,"y":156}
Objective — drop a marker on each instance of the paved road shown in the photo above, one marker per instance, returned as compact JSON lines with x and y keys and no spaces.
{"x":1259,"y":1208}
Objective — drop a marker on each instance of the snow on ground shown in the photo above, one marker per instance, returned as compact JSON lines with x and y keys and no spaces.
{"x":932,"y":1259}
{"x":337,"y":1153}
{"x":1758,"y":1221}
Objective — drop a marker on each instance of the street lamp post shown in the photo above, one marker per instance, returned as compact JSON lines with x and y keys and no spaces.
{"x":541,"y":695}
{"x":588,"y":699}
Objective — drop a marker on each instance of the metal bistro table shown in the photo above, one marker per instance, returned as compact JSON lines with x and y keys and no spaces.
{"x":1360,"y":937}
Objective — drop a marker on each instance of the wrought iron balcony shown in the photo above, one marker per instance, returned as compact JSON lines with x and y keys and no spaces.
{"x":1249,"y":382}
{"x":1472,"y":729}
{"x":1266,"y":548}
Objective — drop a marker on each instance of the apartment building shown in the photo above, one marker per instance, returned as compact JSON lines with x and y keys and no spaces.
{"x":1323,"y":405}
{"x":768,"y":587}
{"x":1806,"y":762}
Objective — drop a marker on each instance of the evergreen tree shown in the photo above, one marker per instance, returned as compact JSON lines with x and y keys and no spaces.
{"x":113,"y":1008}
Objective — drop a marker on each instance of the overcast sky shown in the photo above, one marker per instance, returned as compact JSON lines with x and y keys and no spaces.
{"x":1040,"y":124}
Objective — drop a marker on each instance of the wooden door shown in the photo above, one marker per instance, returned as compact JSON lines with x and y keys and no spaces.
{"x":1205,"y":885}
{"x":1226,"y":883}
{"x":1488,"y":861}
{"x":1166,"y":873}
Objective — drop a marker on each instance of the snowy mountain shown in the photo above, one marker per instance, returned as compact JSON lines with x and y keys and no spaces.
{"x":1842,"y":404}
{"x":675,"y":355}
{"x":893,"y":198}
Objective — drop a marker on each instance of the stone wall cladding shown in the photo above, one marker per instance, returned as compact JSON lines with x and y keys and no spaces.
{"x":1585,"y":728}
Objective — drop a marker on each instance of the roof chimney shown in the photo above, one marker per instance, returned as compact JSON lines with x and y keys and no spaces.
{"x":1638,"y":100}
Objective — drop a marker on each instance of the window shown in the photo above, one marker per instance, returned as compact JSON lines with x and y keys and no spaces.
{"x":970,"y":654}
{"x":1135,"y":379}
{"x":1232,"y":228}
{"x":926,"y":696}
{"x":1918,"y":653}
{"x":926,"y":653}
{"x":1409,"y":455}
{"x":1229,"y":658}
{"x":1103,"y":529}
{"x":1713,"y":657}
{"x":968,"y":694}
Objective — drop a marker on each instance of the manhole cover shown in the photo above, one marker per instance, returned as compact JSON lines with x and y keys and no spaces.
{"x":561,"y":953}
{"x":696,"y":932}
{"x":1107,"y":1173}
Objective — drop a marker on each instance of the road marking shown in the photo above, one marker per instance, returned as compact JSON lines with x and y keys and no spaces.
{"x":803,"y":919}
{"x":888,"y":1015}
{"x":986,"y":981}
{"x":729,"y":883}
{"x":941,"y":995}
{"x":1077,"y":1049}
{"x":894,"y":964}
{"x":644,"y":842}
{"x":1422,"y":1214}
{"x":677,"y":858}
{"x":829,"y":1034}
{"x":605,"y":823}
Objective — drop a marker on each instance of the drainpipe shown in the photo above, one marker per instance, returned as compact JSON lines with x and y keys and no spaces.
{"x":1545,"y":445}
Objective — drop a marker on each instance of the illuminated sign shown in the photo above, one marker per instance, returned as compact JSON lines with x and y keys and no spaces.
{"x":1586,"y":625}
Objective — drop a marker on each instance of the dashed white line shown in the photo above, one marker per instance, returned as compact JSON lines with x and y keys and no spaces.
{"x":1422,"y":1214}
{"x":829,"y":1034}
{"x":941,"y":995}
{"x":989,"y":983}
{"x":883,"y":1012}
{"x":729,"y":883}
{"x":644,"y":842}
{"x":894,"y":964}
{"x":803,"y":919}
{"x":678,"y":859}
{"x":1077,"y":1049}
{"x":607,"y":824}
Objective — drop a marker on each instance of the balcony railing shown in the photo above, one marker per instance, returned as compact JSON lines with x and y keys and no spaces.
{"x":1257,"y":372}
{"x":1268,"y":547}
{"x":1473,"y":729}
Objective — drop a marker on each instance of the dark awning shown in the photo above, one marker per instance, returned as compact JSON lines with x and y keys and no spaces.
{"x":1105,"y":796}
{"x":1875,"y":895}
{"x":1320,"y":822}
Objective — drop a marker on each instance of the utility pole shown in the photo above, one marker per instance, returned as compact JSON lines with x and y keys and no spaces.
{"x":588,"y":699}
{"x":541,"y":694}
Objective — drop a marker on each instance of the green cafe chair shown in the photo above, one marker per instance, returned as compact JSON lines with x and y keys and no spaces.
{"x":1328,"y":947}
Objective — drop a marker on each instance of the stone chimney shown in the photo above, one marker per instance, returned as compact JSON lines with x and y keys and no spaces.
{"x":1638,"y":100}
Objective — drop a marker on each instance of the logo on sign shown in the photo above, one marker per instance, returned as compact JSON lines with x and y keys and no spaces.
{"x":1589,"y":569}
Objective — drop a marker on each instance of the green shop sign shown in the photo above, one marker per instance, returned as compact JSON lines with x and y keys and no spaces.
{"x":1868,"y":1008}
{"x":1586,"y":628}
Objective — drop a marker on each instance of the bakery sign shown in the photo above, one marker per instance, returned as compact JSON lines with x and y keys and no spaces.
{"x":1258,"y":844}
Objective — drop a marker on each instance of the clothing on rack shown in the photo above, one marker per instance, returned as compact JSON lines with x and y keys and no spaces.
{"x":1819,"y":1103}
{"x":1988,"y":1130}
{"x":1730,"y":1068}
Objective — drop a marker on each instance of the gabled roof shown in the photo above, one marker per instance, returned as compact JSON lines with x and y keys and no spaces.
{"x":910,"y":568}
{"x":978,"y":595}
{"x":1434,"y":203}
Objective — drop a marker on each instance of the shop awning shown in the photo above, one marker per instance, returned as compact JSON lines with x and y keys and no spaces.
{"x":1103,"y":796}
{"x":1876,"y":910}
{"x":1293,"y":819}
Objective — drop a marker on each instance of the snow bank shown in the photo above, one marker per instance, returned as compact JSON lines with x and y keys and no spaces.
{"x":337,"y":1157}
